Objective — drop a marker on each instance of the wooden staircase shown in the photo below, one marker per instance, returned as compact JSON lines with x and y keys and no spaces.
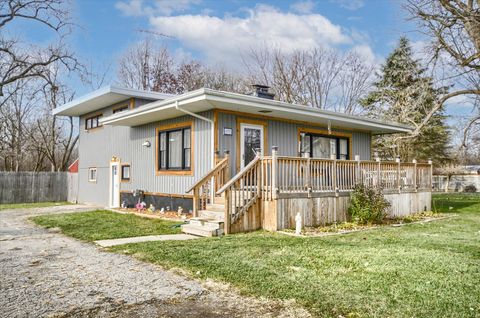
{"x":219,"y":202}
{"x":209,"y":222}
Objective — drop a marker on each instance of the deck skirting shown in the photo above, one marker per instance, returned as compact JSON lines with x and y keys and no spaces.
{"x":326,"y":208}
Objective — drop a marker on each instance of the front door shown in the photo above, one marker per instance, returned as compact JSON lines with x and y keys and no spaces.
{"x":251,"y":138}
{"x":114,"y":185}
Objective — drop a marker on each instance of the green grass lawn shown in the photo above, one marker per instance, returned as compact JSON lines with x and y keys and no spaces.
{"x":102,"y":225}
{"x":31,"y":205}
{"x":418,"y":270}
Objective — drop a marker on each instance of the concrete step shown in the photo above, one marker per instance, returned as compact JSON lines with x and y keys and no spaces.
{"x":209,"y":223}
{"x":215,"y":207}
{"x":207,"y":214}
{"x":200,"y":230}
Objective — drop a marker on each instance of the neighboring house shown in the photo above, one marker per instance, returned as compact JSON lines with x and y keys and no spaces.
{"x":73,"y":168}
{"x":168,"y":145}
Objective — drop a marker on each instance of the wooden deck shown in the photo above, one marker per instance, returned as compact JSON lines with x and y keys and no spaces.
{"x":270,"y":191}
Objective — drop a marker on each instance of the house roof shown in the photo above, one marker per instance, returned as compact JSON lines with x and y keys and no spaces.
{"x":207,"y":99}
{"x":104,"y":97}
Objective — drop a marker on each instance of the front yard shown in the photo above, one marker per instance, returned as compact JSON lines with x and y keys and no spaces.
{"x":31,"y":205}
{"x":102,"y":225}
{"x":418,"y":270}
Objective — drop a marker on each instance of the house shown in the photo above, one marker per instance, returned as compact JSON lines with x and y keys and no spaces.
{"x":248,"y":161}
{"x":73,"y":168}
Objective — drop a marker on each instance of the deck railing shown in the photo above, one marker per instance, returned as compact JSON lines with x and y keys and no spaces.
{"x":268,"y":178}
{"x":204,"y":189}
{"x":311,"y":175}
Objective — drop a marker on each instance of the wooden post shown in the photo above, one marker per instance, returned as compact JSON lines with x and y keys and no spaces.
{"x":358,"y":178}
{"x":399,"y":184}
{"x":228,"y":167}
{"x":228,"y":207}
{"x":379,"y":172}
{"x":415,"y":186}
{"x":430,"y":162}
{"x":274,"y":171}
{"x":195,"y":202}
{"x":308,"y":173}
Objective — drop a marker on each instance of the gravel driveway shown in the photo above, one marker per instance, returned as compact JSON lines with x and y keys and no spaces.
{"x":46,"y":274}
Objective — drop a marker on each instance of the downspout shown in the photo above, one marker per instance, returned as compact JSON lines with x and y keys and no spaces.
{"x":212,"y":137}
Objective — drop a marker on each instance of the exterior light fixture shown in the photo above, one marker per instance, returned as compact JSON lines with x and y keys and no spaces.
{"x":146,"y":143}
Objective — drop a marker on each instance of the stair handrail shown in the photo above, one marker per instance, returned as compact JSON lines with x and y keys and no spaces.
{"x":220,"y":165}
{"x":238,"y":175}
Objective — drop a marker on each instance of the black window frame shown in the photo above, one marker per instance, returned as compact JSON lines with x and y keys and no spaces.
{"x":167,"y":132}
{"x":122,"y":177}
{"x":120,"y":109}
{"x":337,"y":142}
{"x":93,"y":119}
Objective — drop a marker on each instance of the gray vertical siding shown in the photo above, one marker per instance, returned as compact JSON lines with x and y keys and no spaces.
{"x":285,"y":136}
{"x":96,"y":148}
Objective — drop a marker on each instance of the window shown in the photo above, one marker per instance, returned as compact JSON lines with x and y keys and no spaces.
{"x":120,"y":109}
{"x":174,"y":149}
{"x":324,"y":146}
{"x":125,"y":172}
{"x":92,"y":174}
{"x":93,"y":122}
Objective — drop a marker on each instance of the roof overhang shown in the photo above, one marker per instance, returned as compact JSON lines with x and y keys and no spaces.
{"x":102,"y":98}
{"x":206,"y":99}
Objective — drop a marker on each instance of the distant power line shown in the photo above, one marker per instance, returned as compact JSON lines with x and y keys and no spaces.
{"x":154,"y":33}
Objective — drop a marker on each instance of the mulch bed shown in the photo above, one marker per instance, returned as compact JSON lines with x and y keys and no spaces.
{"x":167,"y":215}
{"x":350,"y":227}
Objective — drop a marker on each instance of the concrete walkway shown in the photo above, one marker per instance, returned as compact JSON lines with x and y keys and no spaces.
{"x":149,"y":238}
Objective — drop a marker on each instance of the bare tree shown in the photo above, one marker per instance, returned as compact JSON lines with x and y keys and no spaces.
{"x":19,"y":60}
{"x":151,"y":67}
{"x":15,"y":120}
{"x":321,"y":78}
{"x":454,"y":29}
{"x":147,"y":67}
{"x":55,"y":137}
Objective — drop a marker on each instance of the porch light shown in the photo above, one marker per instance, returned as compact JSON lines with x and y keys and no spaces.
{"x":146,"y":143}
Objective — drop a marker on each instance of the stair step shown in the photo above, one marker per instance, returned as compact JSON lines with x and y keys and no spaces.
{"x":219,"y":200}
{"x":200,"y":230}
{"x":215,"y":207}
{"x":207,"y":214}
{"x":212,"y":224}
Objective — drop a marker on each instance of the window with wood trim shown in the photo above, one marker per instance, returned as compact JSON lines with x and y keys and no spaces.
{"x":93,"y":122}
{"x":125,"y":172}
{"x":175,"y":149}
{"x":92,"y":174}
{"x":120,"y":109}
{"x":324,"y":146}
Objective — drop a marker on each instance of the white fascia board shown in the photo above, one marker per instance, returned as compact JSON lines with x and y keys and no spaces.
{"x":156,"y":106}
{"x":104,"y":91}
{"x":251,"y":101}
{"x":304,"y":110}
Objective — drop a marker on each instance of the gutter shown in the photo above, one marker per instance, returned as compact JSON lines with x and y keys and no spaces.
{"x":212,"y":135}
{"x":212,"y":138}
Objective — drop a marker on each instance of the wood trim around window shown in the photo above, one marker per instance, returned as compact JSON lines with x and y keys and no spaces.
{"x":90,"y":117}
{"x":121,"y":172}
{"x":252,"y":122}
{"x":96,"y":175}
{"x":116,"y":108}
{"x":326,"y":134}
{"x":185,"y":124}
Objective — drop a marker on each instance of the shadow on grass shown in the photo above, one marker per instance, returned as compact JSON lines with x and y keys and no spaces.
{"x":456,"y":202}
